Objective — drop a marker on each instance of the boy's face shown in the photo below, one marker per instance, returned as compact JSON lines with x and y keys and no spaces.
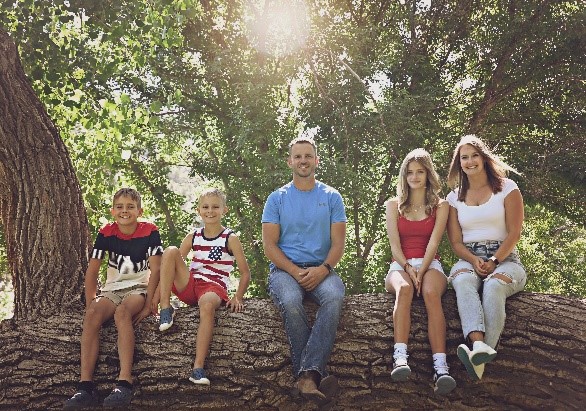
{"x":125,"y":211}
{"x":211,"y":209}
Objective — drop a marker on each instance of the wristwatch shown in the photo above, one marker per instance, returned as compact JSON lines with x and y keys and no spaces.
{"x":329,"y":267}
{"x":494,"y":260}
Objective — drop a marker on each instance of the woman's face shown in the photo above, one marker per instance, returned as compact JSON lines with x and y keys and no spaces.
{"x":471,"y":160}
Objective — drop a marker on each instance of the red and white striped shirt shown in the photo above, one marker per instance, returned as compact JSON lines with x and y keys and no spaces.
{"x":212,"y":261}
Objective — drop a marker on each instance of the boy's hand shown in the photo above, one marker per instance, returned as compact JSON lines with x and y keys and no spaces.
{"x":141,"y":315}
{"x":235,"y":304}
{"x":154,"y":307}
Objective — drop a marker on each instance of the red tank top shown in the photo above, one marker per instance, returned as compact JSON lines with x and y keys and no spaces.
{"x":415,"y":235}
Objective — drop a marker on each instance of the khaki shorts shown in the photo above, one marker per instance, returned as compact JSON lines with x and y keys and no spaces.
{"x":117,"y":296}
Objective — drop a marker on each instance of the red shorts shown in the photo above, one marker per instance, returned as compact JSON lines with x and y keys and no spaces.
{"x":196,"y":287}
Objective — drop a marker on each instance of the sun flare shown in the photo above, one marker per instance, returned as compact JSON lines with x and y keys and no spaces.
{"x":277,"y":27}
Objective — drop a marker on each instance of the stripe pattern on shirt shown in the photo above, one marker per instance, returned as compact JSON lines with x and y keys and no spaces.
{"x":212,"y":261}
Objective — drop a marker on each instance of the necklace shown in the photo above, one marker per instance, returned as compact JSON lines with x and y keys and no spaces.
{"x":415,"y":208}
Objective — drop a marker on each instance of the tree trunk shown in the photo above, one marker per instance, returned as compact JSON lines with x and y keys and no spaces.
{"x":540,"y":363}
{"x":41,"y":205}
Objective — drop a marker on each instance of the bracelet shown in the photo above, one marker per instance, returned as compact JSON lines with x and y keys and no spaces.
{"x":329,"y":267}
{"x":405,"y":266}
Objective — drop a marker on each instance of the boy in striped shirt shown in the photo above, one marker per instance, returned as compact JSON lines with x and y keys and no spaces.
{"x":205,"y":283}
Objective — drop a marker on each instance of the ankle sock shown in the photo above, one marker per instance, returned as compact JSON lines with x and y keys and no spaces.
{"x":400,"y":347}
{"x":439,"y":361}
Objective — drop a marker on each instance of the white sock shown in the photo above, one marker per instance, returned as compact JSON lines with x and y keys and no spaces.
{"x":401,"y":347}
{"x":439,"y":359}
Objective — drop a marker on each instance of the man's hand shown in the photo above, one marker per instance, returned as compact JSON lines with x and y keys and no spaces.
{"x":311,"y":277}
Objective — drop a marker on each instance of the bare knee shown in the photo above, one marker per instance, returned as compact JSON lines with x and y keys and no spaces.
{"x":171,"y":252}
{"x":431,"y":294}
{"x":122,"y":315}
{"x":404,"y":291}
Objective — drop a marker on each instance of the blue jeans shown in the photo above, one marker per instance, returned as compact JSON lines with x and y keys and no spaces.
{"x":310,"y":346}
{"x":487,"y":314}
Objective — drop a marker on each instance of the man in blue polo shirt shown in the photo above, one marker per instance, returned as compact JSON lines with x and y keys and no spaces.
{"x":303,"y":233}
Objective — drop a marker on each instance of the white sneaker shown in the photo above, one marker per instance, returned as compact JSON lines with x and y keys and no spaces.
{"x":474,"y":371}
{"x":401,"y":370}
{"x":481,"y":353}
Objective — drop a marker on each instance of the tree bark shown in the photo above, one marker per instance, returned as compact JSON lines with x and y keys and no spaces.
{"x":540,"y":363}
{"x":41,"y":205}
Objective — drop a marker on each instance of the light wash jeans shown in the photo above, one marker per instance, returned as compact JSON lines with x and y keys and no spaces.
{"x":488,"y":315}
{"x":310,"y":346}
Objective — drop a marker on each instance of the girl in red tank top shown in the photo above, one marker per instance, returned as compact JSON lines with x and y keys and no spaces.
{"x":416,"y":221}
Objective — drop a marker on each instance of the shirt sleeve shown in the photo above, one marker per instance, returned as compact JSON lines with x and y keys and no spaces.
{"x":509,"y":186}
{"x":270,"y":212}
{"x":338,"y":210}
{"x":155,"y":244}
{"x":452,"y":199}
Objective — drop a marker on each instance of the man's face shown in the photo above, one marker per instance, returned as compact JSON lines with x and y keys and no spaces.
{"x":303,"y":160}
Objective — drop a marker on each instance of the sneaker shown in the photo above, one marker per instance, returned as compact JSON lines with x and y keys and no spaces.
{"x":443,"y":382}
{"x":481,"y":353}
{"x":198,"y":376}
{"x":82,"y":399}
{"x":166,"y":318}
{"x":119,"y":397}
{"x":401,"y":370}
{"x":474,"y":371}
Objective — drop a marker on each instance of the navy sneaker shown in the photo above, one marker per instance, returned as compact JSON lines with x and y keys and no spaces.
{"x":198,"y":376}
{"x":166,"y":318}
{"x":82,"y":399}
{"x":119,"y":397}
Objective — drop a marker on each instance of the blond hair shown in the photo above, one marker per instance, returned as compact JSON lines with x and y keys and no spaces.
{"x":213,"y":192}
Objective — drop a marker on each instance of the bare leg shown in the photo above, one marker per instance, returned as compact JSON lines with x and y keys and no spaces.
{"x":208,"y":304}
{"x":434,"y":286}
{"x":129,"y":307}
{"x":400,"y":283}
{"x":173,"y":271}
{"x":99,"y":311}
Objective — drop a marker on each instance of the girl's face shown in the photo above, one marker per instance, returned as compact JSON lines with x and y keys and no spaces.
{"x":416,"y":175}
{"x":471,"y":160}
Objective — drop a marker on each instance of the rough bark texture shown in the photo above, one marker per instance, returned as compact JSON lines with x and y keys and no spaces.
{"x":541,"y":362}
{"x":41,"y":205}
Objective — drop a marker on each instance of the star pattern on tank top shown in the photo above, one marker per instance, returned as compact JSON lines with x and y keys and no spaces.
{"x":215,"y":253}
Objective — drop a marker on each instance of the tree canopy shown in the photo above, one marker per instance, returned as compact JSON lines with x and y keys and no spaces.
{"x":146,"y":92}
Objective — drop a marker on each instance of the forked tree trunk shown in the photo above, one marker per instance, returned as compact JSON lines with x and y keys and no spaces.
{"x":43,"y":215}
{"x":541,"y":361}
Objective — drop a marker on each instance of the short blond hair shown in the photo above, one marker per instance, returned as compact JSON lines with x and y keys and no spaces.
{"x":213,"y":192}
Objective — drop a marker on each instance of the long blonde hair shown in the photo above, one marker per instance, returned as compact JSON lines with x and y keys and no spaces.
{"x":496,"y":169}
{"x":432,"y":185}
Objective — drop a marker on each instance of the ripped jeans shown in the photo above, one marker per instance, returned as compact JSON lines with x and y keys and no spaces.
{"x":486,"y":315}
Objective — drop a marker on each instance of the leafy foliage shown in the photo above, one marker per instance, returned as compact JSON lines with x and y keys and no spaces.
{"x":140,"y":90}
